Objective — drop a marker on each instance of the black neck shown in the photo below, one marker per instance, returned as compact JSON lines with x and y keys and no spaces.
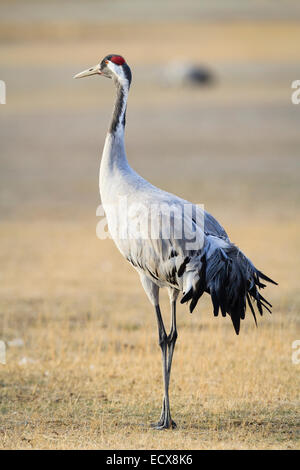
{"x":119,"y":113}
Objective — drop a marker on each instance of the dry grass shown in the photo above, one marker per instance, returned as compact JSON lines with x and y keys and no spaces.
{"x":95,"y":376}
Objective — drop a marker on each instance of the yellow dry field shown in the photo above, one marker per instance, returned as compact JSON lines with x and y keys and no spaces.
{"x":89,"y":374}
{"x":83,"y":366}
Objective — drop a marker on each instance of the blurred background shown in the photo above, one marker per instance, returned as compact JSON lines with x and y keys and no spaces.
{"x":232,"y":145}
{"x":209,"y":118}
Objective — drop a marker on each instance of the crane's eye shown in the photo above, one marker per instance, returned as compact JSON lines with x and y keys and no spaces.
{"x":106,"y":61}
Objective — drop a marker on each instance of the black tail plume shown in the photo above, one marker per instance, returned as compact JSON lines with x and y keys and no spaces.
{"x":232,"y":281}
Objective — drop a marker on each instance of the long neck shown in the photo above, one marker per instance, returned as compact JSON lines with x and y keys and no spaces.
{"x":118,"y":120}
{"x":114,"y":155}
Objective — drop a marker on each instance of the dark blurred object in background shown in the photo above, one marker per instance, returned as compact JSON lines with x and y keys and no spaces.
{"x":184,"y":73}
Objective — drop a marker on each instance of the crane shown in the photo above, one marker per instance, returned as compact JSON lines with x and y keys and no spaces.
{"x":171,"y":242}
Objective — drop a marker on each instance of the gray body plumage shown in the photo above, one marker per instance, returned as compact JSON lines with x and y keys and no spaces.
{"x":160,"y":259}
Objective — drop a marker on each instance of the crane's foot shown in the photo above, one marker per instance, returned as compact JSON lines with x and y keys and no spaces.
{"x":164,"y":424}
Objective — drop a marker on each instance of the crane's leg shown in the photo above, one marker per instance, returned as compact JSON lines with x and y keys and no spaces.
{"x":167,"y":345}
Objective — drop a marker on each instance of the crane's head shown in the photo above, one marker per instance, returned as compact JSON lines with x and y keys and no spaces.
{"x":112,"y":66}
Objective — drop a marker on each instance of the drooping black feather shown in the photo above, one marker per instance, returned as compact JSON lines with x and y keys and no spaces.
{"x":183,"y":266}
{"x":251,"y":308}
{"x":200,"y":286}
{"x":188,"y":296}
{"x":266,"y":278}
{"x":200,"y":291}
{"x":232,"y":282}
